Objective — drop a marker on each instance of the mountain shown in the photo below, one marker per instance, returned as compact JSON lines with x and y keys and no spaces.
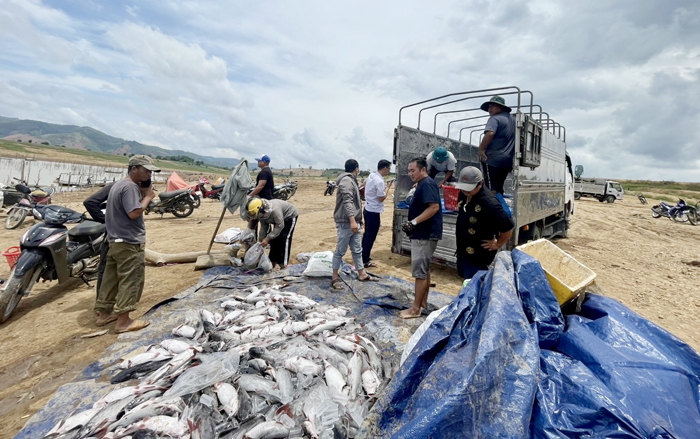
{"x":73,"y":136}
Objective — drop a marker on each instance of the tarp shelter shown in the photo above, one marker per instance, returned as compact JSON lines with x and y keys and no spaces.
{"x":176,"y":182}
{"x":503,"y":362}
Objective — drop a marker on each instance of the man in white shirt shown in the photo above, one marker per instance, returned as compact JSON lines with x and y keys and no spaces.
{"x":441,"y":160}
{"x":376,"y":192}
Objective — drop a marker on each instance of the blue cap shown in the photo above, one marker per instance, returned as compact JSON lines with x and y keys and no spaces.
{"x":265,"y":158}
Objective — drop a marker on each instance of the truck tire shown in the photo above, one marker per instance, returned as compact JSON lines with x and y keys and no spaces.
{"x":577,"y":195}
{"x":610,"y":199}
{"x":601,"y":199}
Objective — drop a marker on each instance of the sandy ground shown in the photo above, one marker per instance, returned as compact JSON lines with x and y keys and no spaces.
{"x":639,"y":260}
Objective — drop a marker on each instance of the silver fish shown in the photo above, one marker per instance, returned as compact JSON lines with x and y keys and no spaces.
{"x":267,"y":430}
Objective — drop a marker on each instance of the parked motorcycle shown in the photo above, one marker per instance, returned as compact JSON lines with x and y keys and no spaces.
{"x":330,"y":188}
{"x":285,"y":191}
{"x":49,"y":251}
{"x":25,"y":206}
{"x":178,"y":202}
{"x":642,"y":198}
{"x":681,"y":212}
{"x":214,"y":193}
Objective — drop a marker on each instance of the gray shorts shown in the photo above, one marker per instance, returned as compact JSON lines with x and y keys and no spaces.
{"x":421,"y":252}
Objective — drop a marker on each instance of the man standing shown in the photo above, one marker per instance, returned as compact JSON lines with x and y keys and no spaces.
{"x":482,"y":225}
{"x":348,"y":222}
{"x":94,"y":205}
{"x":424,"y":227}
{"x":124,"y":275}
{"x":376,"y":192}
{"x":282,"y":217}
{"x":265,"y":182}
{"x":441,"y":160}
{"x":498,"y":146}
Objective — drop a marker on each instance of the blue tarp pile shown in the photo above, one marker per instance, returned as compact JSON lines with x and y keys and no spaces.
{"x":503,"y":362}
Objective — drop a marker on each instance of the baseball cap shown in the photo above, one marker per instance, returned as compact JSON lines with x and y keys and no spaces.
{"x":469,"y":177}
{"x":440,"y":154}
{"x":145,"y":161}
{"x":263,"y":158}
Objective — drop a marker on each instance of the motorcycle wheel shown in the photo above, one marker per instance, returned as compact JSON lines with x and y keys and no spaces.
{"x":680,"y":217}
{"x":183,"y":209}
{"x":14,"y":290}
{"x":197,"y":201}
{"x":693,"y":217}
{"x":654,"y":213}
{"x":15,"y":218}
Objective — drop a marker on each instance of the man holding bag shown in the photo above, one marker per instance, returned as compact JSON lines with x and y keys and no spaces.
{"x":277,"y":220}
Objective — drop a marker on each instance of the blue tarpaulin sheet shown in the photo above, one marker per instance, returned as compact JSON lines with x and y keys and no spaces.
{"x":503,"y":362}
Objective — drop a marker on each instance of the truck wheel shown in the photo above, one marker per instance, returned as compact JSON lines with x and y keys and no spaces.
{"x":577,"y":195}
{"x":610,"y":199}
{"x":601,"y":199}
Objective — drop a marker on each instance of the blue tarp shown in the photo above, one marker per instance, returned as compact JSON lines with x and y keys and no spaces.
{"x":503,"y":362}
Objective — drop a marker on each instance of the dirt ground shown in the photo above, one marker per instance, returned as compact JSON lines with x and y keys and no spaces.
{"x":639,"y":260}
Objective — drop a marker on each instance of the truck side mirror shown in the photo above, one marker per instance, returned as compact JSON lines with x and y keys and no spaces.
{"x":578,"y":171}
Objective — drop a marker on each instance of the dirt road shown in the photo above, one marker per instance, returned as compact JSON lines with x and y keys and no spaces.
{"x":639,"y":261}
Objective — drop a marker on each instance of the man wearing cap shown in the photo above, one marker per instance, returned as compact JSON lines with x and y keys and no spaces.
{"x":482,"y":226}
{"x":123,"y":280}
{"x":424,"y":227}
{"x":498,"y":145}
{"x":265,"y":182}
{"x":376,"y":192}
{"x":441,"y":160}
{"x":277,"y":220}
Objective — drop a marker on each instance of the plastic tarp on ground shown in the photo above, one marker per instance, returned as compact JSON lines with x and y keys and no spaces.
{"x":503,"y":362}
{"x":389,"y":331}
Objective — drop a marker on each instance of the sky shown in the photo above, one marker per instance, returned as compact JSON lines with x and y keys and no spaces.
{"x":314,"y":83}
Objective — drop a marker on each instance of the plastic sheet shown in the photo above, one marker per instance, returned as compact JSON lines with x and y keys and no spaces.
{"x":252,"y":256}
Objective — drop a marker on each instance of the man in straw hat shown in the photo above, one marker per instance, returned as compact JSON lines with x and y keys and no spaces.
{"x":498,"y":146}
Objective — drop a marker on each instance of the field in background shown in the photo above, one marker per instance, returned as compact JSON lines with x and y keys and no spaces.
{"x":669,"y":191}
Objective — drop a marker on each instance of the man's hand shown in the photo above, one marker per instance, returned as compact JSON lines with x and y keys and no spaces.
{"x":490,"y":244}
{"x":354,"y":226}
{"x":147,"y":192}
{"x":482,"y":154}
{"x":408,"y":228}
{"x":264,"y":242}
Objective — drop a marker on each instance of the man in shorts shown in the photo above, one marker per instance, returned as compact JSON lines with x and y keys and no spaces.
{"x":424,"y":227}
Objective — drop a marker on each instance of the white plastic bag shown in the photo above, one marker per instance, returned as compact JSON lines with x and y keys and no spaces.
{"x":252,"y":256}
{"x":247,"y":236}
{"x":320,"y":265}
{"x":228,"y":236}
{"x":265,"y":263}
{"x":413,"y":341}
{"x":304,"y":257}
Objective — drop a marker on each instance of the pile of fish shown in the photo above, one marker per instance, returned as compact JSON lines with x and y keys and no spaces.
{"x":264,"y":364}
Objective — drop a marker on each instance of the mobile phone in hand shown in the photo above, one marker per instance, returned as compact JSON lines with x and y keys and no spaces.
{"x":146,"y":183}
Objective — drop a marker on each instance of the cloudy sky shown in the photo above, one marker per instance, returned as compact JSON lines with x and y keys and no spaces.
{"x":317,"y":82}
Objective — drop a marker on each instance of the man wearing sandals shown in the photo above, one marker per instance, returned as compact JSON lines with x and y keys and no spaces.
{"x":123,"y":280}
{"x":348,"y":223}
{"x":424,"y":227}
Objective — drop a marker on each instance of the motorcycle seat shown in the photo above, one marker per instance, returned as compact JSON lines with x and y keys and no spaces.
{"x":87,"y":228}
{"x":216,"y":187}
{"x":171,"y":194}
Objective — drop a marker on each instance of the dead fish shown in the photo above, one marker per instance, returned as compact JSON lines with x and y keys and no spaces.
{"x":334,"y":379}
{"x":267,"y":430}
{"x":143,"y":358}
{"x":228,"y":397}
{"x":185,"y":331}
{"x":370,"y":381}
{"x":302,"y":365}
{"x":160,"y":425}
{"x":355,"y":377}
{"x":175,"y":346}
{"x":259,"y":385}
{"x":124,"y":392}
{"x":137,"y":371}
{"x":73,"y":422}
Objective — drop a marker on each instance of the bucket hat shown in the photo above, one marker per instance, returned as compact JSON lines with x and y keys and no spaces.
{"x":498,"y":101}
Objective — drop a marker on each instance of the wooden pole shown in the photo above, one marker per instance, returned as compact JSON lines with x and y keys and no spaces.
{"x":221,"y":218}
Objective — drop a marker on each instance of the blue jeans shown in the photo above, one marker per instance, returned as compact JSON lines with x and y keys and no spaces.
{"x":372,"y":223}
{"x":345,"y":238}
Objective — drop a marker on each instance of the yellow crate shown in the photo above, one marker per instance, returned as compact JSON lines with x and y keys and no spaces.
{"x":566,"y":275}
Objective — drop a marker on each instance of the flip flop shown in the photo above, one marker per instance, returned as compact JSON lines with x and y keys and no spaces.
{"x":337,"y":284}
{"x":106,"y":320}
{"x":371,"y":264}
{"x":404,"y":315}
{"x":369,"y":278}
{"x":136,"y":325}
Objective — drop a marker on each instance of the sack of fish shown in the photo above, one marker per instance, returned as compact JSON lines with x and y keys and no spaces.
{"x":271,"y":364}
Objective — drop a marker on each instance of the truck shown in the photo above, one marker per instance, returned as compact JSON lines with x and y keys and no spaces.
{"x":598,"y":188}
{"x":538,"y":191}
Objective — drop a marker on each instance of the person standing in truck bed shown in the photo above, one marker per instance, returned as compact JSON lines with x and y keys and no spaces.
{"x":498,"y":146}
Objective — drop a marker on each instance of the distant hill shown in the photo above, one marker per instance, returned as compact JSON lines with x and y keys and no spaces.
{"x":72,"y":136}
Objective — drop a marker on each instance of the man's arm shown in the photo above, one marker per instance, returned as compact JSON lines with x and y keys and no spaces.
{"x":495,"y":244}
{"x":428,"y":213}
{"x":258,"y":188}
{"x":148,"y":195}
{"x":488,"y":137}
{"x":386,"y":193}
{"x":448,"y":176}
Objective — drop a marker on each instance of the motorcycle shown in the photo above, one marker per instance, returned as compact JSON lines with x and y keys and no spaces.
{"x":330,"y":188}
{"x":214,"y":193}
{"x":50,"y":251}
{"x":642,"y":198}
{"x":178,"y":202}
{"x":285,"y":191}
{"x":25,"y":206}
{"x":681,"y":212}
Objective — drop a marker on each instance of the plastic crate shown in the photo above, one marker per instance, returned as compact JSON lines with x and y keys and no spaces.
{"x":451,"y":195}
{"x":12,"y":254}
{"x":566,"y":275}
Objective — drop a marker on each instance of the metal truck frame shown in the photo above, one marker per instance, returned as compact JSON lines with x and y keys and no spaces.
{"x":539,"y":189}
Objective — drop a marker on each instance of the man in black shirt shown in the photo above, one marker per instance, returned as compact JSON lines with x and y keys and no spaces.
{"x":94,"y":205}
{"x":482,"y":227}
{"x":265,"y":183}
